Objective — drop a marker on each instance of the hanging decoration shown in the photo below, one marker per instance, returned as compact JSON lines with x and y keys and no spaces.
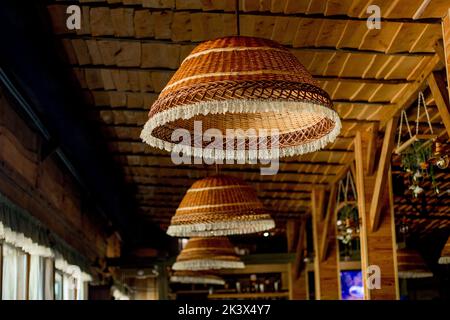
{"x":208,"y":254}
{"x":219,"y":206}
{"x":197,"y":277}
{"x":421,"y":154}
{"x":445,"y":253}
{"x":242,"y":83}
{"x":411,"y":265}
{"x":348,"y":222}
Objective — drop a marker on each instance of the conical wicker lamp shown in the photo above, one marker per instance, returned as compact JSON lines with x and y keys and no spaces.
{"x":219,"y":206}
{"x":207,"y":254}
{"x":196,"y":277}
{"x":243,"y":83}
{"x":445,"y":253}
{"x":411,"y":265}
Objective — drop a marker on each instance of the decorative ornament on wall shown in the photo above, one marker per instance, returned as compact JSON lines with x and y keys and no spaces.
{"x":219,"y":206}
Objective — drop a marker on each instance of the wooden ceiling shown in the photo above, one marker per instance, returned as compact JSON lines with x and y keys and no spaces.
{"x":127,"y":50}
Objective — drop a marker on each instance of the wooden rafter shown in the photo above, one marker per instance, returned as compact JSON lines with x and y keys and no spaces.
{"x":382,"y":173}
{"x":437,"y":86}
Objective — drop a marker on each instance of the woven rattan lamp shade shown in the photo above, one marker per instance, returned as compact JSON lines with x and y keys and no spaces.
{"x":244,"y":83}
{"x":219,"y":206}
{"x":208,"y":253}
{"x":411,"y":265}
{"x":445,"y":253}
{"x":197,"y":277}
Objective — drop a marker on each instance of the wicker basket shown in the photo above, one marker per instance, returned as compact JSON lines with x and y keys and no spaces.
{"x":445,"y":253}
{"x":197,"y":277}
{"x":411,"y":265}
{"x":219,"y":206}
{"x":243,"y":83}
{"x":208,"y":254}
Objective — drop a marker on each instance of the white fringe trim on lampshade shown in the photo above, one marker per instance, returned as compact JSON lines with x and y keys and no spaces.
{"x":221,"y":228}
{"x":206,"y":264}
{"x":197,"y":280}
{"x":444,"y":260}
{"x":414,"y":274}
{"x":241,"y":106}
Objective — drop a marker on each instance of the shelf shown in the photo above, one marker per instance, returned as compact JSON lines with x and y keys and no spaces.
{"x":248,"y":295}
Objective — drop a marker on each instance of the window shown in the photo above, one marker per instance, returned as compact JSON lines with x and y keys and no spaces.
{"x":58,"y":285}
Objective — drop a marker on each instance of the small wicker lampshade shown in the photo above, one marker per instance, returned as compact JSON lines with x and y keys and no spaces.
{"x":445,"y":253}
{"x":411,"y":265}
{"x":243,"y":83}
{"x":208,"y":253}
{"x":219,"y":206}
{"x":196,"y":277}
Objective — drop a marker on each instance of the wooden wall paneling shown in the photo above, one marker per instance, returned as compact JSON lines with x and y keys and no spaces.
{"x":325,"y":272}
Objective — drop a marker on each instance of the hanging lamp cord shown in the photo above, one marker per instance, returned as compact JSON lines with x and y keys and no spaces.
{"x":238,"y":18}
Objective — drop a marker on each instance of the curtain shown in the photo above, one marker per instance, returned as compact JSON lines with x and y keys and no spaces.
{"x":36,"y":283}
{"x":49,"y":279}
{"x":14,"y":274}
{"x":9,"y":273}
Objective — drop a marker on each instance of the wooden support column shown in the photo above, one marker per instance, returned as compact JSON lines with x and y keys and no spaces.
{"x":326,"y":270}
{"x":296,"y":236}
{"x":378,"y":245}
{"x":436,"y":82}
{"x":446,"y":37}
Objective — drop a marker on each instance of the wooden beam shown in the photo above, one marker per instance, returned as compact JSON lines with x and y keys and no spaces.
{"x":440,"y":94}
{"x":358,"y":173}
{"x":325,"y":272}
{"x":329,"y":223}
{"x":292,"y":227}
{"x":299,"y":250}
{"x":377,"y":248}
{"x":446,"y":45}
{"x":372,"y":148}
{"x":439,"y":49}
{"x":381,"y":175}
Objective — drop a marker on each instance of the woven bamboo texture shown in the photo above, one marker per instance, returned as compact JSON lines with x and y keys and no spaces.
{"x":244,"y":83}
{"x":197,"y":277}
{"x":208,"y":253}
{"x":215,"y":248}
{"x":219,"y":203}
{"x":445,"y":253}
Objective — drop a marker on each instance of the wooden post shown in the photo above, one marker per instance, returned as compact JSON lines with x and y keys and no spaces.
{"x":296,"y":234}
{"x":378,"y":246}
{"x":446,"y":36}
{"x":325,"y":271}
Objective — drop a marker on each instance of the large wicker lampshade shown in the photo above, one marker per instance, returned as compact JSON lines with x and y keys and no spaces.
{"x":207,"y":254}
{"x":445,"y":253}
{"x":196,"y":277}
{"x":219,"y":206}
{"x":243,"y":83}
{"x":411,"y":265}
